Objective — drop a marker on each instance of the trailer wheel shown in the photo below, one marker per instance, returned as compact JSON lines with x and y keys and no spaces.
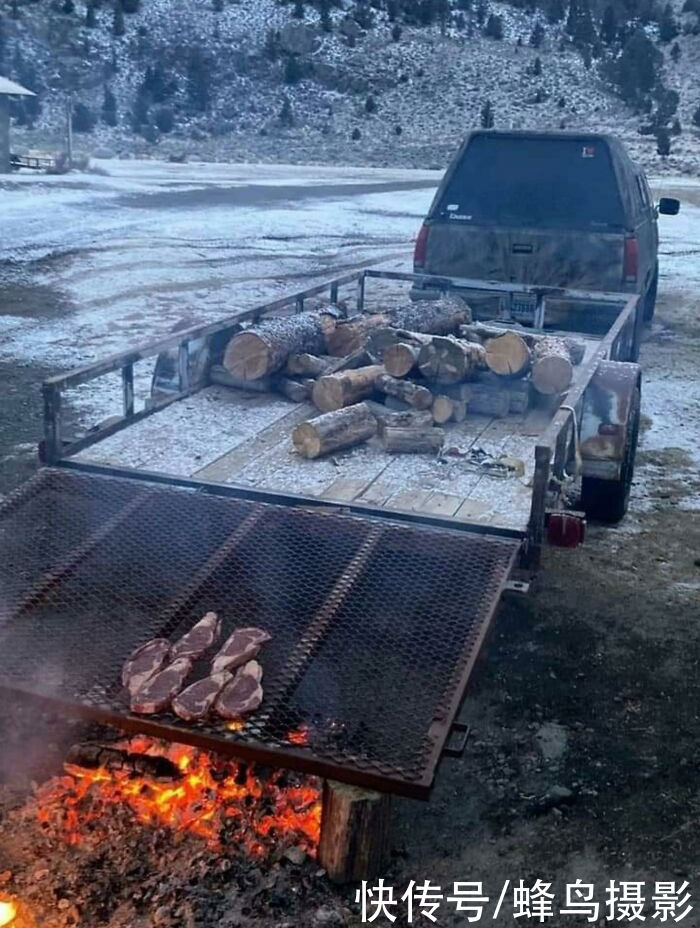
{"x":650,"y":298}
{"x":608,"y":500}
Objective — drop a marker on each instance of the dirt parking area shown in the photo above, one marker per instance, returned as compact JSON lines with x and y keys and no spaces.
{"x":582,"y":761}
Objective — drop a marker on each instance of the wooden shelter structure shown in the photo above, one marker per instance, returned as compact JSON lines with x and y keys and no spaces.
{"x":8,"y":89}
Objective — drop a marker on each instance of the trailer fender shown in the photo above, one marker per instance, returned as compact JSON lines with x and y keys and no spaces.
{"x":608,"y":403}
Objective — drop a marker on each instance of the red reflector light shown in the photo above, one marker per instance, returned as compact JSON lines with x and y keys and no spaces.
{"x":631,"y":260}
{"x":421,"y":251}
{"x":566,"y":529}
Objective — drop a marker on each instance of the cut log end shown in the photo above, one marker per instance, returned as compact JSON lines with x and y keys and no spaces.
{"x":508,"y":355}
{"x":552,"y":375}
{"x":247,"y":356}
{"x":354,"y":833}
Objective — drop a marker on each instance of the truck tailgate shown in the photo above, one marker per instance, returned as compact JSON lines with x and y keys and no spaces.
{"x":375,"y":625}
{"x":554,"y":258}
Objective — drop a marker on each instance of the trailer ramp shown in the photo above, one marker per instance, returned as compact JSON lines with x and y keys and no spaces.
{"x":375,"y":625}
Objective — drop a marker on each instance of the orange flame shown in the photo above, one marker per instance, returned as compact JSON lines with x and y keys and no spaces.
{"x":203,"y":802}
{"x":8,"y":912}
{"x":299,"y":735}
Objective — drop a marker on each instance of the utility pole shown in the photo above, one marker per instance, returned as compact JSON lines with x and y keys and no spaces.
{"x":69,"y":129}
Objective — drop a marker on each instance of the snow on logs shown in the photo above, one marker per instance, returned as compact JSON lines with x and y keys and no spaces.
{"x":266,"y":347}
{"x":342,"y":428}
{"x":335,"y":391}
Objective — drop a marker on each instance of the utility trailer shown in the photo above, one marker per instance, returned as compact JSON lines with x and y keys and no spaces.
{"x":377,"y":577}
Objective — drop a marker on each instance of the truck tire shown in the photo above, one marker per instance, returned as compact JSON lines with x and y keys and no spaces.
{"x":608,"y":500}
{"x":650,"y":298}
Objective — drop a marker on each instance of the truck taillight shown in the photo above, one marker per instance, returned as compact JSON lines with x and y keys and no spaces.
{"x":631,"y":265}
{"x":421,"y":251}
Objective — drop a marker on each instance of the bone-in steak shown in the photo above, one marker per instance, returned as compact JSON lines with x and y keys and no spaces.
{"x":242,"y":646}
{"x":243,"y":694}
{"x":158,"y":692}
{"x":199,"y":638}
{"x":195,"y":702}
{"x":144,"y":663}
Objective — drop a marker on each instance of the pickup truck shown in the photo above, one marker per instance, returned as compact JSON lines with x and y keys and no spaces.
{"x":553,"y":209}
{"x":376,"y":575}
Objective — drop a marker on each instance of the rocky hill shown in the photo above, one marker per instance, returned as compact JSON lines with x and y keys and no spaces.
{"x":383,"y":82}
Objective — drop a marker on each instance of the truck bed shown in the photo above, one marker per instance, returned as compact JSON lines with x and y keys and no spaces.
{"x":230,"y":436}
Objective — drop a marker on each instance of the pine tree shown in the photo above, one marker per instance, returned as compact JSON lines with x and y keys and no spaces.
{"x":325,"y":14}
{"x":668,"y":27}
{"x":396,"y":32}
{"x":537,"y":36}
{"x":370,"y":105}
{"x":90,"y":15}
{"x":68,"y":7}
{"x":199,"y":79}
{"x":676,"y":53}
{"x":696,"y":117}
{"x":487,"y":116}
{"x":83,"y":118}
{"x":663,"y":142}
{"x":15,"y":9}
{"x":482,"y":10}
{"x":494,"y":27}
{"x":608,"y":27}
{"x":109,"y":108}
{"x":298,"y":12}
{"x":676,"y":128}
{"x":636,"y":72}
{"x":293,"y":71}
{"x":580,"y":24}
{"x":118,"y":28}
{"x":286,"y":116}
{"x":537,"y":67}
{"x":555,"y":11}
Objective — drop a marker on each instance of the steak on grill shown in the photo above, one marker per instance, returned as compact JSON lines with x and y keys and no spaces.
{"x":199,"y":638}
{"x":195,"y":702}
{"x":144,"y":663}
{"x":243,"y":694}
{"x":158,"y":692}
{"x":241,"y":646}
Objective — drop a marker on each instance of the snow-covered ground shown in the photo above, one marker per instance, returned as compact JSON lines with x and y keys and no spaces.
{"x":124,"y":255}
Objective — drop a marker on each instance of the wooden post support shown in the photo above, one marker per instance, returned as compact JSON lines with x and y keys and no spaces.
{"x":355,"y":831}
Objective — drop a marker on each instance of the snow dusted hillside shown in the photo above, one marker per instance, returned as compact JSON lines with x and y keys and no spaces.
{"x":357,"y":97}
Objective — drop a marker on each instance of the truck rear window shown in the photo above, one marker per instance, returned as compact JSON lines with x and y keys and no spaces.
{"x":542,"y":183}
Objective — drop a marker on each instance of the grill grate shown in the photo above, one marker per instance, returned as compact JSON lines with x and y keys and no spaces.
{"x":375,"y":625}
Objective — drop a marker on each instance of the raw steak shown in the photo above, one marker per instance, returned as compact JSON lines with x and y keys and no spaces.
{"x":199,"y":638}
{"x":158,"y":692}
{"x":144,"y":663}
{"x":242,"y":646}
{"x":243,"y":694}
{"x":195,"y":702}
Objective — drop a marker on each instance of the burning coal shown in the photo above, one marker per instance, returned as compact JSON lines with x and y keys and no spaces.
{"x":8,"y":912}
{"x":222,"y":802}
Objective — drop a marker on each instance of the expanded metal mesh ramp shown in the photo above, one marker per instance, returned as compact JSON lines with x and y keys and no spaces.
{"x":375,"y":625}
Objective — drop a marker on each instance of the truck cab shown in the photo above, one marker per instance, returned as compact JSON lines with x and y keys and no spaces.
{"x":546,"y":209}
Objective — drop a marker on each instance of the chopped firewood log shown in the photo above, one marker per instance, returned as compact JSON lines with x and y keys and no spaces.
{"x":411,"y":419}
{"x":449,"y":360}
{"x":352,"y":335}
{"x":355,"y":832}
{"x":482,"y":399}
{"x":334,"y":391}
{"x":94,"y":756}
{"x":482,"y":333}
{"x":425,"y":440}
{"x":412,"y":393}
{"x":401,"y":358}
{"x":508,"y":355}
{"x":298,"y":391}
{"x":552,"y":369}
{"x":381,"y":341}
{"x":307,"y":365}
{"x":335,"y":430}
{"x":439,"y":317}
{"x":518,"y":390}
{"x":359,"y":358}
{"x":448,"y":409}
{"x":264,"y":349}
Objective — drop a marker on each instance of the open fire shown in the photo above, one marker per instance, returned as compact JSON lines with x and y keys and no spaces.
{"x":8,"y":912}
{"x":221,"y":801}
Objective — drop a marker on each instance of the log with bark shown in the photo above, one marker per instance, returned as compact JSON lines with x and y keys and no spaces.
{"x":298,"y":391}
{"x":482,"y":333}
{"x":382,"y":340}
{"x":307,"y":365}
{"x":439,"y":317}
{"x":93,"y":755}
{"x":265,"y":348}
{"x":552,"y":368}
{"x":424,"y":440}
{"x":219,"y":375}
{"x":334,"y":391}
{"x":449,"y":360}
{"x":508,"y":355}
{"x":334,"y":431}
{"x":355,"y":832}
{"x":482,"y":399}
{"x":448,"y":409}
{"x":412,"y":393}
{"x":411,"y":419}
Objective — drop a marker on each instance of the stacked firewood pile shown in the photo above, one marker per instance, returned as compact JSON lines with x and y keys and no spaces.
{"x":427,"y":364}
